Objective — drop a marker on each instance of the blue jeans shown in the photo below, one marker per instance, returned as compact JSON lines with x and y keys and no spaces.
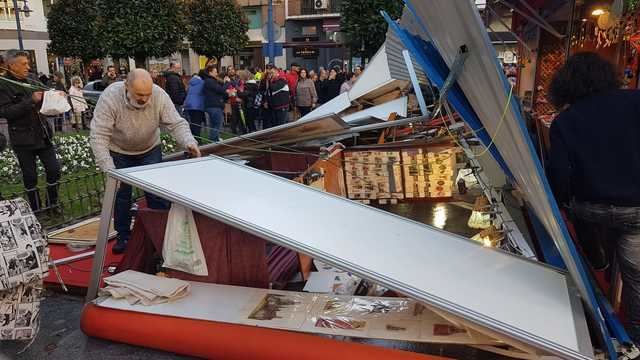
{"x":122,"y":213}
{"x":196,"y":123}
{"x":216,"y":118}
{"x":622,"y":228}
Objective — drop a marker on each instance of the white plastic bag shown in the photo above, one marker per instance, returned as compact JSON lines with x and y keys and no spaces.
{"x":182,"y":249}
{"x":54,"y":103}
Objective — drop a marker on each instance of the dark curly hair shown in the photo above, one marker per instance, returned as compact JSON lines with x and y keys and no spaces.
{"x":583,"y":75}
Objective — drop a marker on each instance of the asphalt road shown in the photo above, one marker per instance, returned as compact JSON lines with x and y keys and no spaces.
{"x":60,"y":338}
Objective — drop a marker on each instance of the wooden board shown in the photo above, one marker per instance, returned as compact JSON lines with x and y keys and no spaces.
{"x":401,"y":319}
{"x":385,"y":89}
{"x":283,"y":134}
{"x":83,"y":233}
{"x":331,"y":182}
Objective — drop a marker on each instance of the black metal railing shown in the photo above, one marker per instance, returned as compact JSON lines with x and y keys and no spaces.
{"x":79,"y":197}
{"x":309,"y":7}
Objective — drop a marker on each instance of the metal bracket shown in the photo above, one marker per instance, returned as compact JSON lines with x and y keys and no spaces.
{"x":498,"y":208}
{"x":454,"y":72}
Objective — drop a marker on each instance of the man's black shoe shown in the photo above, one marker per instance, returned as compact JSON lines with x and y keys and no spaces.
{"x":119,"y":248}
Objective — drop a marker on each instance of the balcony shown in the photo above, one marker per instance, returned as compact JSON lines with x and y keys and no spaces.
{"x":308,"y":7}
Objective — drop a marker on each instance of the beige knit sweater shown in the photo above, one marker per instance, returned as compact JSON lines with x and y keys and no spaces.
{"x":119,"y":127}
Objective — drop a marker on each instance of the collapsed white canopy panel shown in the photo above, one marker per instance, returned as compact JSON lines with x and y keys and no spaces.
{"x":520,"y":299}
{"x":381,"y":112}
{"x":336,"y":105}
{"x":376,"y":74}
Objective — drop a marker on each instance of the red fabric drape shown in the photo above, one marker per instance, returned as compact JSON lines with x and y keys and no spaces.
{"x":233,"y":257}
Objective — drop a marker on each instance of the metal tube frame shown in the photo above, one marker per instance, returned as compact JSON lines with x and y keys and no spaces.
{"x":414,"y":82}
{"x":108,"y":204}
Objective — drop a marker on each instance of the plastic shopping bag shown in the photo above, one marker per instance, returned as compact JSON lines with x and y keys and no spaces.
{"x":182,"y":249}
{"x":54,"y":103}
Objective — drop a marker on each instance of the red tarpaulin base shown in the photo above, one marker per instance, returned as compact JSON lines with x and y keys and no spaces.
{"x":78,"y":273}
{"x":215,"y":340}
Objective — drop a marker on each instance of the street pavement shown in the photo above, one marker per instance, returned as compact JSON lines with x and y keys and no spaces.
{"x":60,"y":337}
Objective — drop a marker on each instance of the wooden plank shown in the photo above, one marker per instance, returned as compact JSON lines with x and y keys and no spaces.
{"x":387,"y":97}
{"x":84,"y":233}
{"x":384,"y":132}
{"x":262,"y":139}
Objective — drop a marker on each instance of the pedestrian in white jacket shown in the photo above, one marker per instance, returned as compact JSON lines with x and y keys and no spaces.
{"x":78,"y":103}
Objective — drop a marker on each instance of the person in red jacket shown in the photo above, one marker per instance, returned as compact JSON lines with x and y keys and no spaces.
{"x":278,"y":97}
{"x":292,"y":80}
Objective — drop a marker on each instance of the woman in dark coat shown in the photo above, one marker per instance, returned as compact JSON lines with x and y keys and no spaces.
{"x":333,"y":85}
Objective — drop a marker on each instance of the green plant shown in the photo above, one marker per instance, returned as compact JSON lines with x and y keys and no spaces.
{"x":72,"y":29}
{"x":364,"y":26}
{"x":74,"y":155}
{"x":216,"y":28}
{"x":140,"y":28}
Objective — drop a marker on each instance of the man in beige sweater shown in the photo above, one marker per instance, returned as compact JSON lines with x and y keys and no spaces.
{"x":125,"y":132}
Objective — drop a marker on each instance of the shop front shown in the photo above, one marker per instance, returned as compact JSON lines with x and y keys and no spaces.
{"x":315,"y":43}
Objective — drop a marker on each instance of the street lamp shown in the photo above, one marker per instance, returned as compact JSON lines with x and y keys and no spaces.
{"x":27,"y":11}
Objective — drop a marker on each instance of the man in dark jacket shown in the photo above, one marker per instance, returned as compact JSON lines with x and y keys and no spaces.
{"x":174,"y":86}
{"x":30,"y":135}
{"x":278,"y":97}
{"x":214,"y":98}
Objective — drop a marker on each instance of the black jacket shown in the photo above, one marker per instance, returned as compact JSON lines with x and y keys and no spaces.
{"x":214,"y":94}
{"x":595,"y":152}
{"x":248,"y":96}
{"x":332,"y":88}
{"x":278,"y":94}
{"x":175,"y":87}
{"x":27,"y":130}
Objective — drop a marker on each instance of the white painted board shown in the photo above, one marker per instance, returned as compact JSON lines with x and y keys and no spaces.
{"x":334,"y":106}
{"x":234,"y":305}
{"x":381,"y":111}
{"x":516,"y":297}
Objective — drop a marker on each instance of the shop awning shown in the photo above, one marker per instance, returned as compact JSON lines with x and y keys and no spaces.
{"x":518,"y":301}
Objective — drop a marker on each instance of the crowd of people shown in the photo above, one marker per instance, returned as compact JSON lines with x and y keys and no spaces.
{"x":251,"y":99}
{"x":125,"y":128}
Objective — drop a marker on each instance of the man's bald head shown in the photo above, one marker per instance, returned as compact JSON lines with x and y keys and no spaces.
{"x":139,"y":87}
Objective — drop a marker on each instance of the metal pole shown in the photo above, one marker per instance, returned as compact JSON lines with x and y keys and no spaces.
{"x":570,"y":29}
{"x":270,"y":34}
{"x":415,"y":82}
{"x":108,"y":203}
{"x":18,"y":27}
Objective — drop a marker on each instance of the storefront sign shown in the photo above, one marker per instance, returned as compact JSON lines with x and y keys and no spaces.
{"x":306,"y":52}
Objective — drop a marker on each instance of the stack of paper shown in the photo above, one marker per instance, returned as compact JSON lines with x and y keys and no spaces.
{"x":145,"y":289}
